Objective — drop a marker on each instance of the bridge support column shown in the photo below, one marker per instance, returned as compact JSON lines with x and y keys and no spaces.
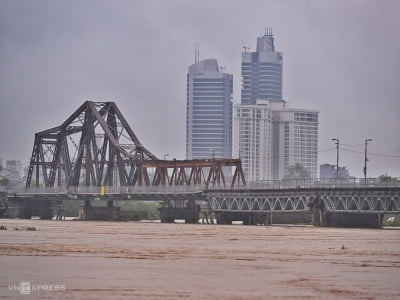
{"x":187,"y":210}
{"x":206,"y":213}
{"x":350,"y":219}
{"x":15,"y":208}
{"x":292,"y":217}
{"x":105,"y":213}
{"x":248,"y":218}
{"x":223,"y":218}
{"x":26,"y":208}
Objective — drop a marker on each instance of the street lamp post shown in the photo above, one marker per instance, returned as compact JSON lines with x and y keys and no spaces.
{"x":337,"y":157}
{"x":365,"y":161}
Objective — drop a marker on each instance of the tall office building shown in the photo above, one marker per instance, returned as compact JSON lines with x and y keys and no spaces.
{"x":209,"y":111}
{"x":262,"y":72}
{"x":270,"y":136}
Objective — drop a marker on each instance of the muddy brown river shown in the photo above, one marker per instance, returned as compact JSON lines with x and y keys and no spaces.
{"x":134,"y":260}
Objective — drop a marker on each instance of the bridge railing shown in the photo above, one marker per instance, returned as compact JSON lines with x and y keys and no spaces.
{"x":181,"y":189}
{"x":38,"y":190}
{"x":162,"y":189}
{"x":313,"y":183}
{"x":98,"y":190}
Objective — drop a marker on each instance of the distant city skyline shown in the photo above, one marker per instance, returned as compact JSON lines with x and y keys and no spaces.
{"x":341,"y":58}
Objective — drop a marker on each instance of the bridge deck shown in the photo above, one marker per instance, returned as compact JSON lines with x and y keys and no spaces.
{"x":336,"y":196}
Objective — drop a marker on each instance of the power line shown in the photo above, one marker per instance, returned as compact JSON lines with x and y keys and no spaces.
{"x":374,"y":148}
{"x":384,"y":155}
{"x":385,"y":149}
{"x":330,"y":149}
{"x":354,"y":145}
{"x":375,"y":154}
{"x":327,"y":149}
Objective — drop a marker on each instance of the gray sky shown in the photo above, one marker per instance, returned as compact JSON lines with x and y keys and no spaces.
{"x":341,"y":57}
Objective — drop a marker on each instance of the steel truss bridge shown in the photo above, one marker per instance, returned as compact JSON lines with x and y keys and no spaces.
{"x":361,"y":200}
{"x":350,"y":195}
{"x":95,"y":154}
{"x":96,"y":146}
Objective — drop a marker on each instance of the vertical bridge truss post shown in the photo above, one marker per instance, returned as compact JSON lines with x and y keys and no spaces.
{"x":96,"y":146}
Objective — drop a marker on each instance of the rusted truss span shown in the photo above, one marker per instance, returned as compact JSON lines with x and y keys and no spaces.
{"x":210,"y":172}
{"x":95,"y":146}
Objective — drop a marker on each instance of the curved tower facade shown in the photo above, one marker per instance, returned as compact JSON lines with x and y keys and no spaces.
{"x":209,"y":111}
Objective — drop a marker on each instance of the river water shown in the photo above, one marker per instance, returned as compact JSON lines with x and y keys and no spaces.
{"x":139,"y":260}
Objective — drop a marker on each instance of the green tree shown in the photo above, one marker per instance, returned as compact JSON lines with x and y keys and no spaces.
{"x":4,"y":181}
{"x":385,"y":178}
{"x":297,"y":171}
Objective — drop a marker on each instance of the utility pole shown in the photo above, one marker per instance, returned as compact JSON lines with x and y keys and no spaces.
{"x":337,"y":157}
{"x":366,"y":159}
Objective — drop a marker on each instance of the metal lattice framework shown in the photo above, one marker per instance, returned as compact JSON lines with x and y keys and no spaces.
{"x":260,"y":201}
{"x":95,"y":146}
{"x":362,"y":200}
{"x":355,"y":200}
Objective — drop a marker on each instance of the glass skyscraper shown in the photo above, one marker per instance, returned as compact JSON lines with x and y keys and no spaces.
{"x":209,"y":111}
{"x":269,"y":135}
{"x":262,"y":72}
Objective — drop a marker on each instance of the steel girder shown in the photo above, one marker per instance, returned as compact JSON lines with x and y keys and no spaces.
{"x":362,"y":200}
{"x":95,"y":146}
{"x":259,"y":201}
{"x":354,"y":200}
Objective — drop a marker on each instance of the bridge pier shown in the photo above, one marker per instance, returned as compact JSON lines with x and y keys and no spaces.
{"x":248,"y":218}
{"x":264,"y":218}
{"x":26,"y":208}
{"x":175,"y":209}
{"x":106,"y":213}
{"x":292,"y":217}
{"x":350,"y":219}
{"x":14,"y":208}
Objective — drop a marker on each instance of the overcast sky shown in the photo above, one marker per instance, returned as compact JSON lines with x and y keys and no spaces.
{"x":340,"y":57}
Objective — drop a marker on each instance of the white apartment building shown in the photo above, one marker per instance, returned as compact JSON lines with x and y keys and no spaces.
{"x":270,"y":136}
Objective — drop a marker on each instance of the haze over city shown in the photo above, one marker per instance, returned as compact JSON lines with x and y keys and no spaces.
{"x":339,"y":57}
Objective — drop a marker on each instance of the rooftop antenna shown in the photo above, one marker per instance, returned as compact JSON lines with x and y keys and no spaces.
{"x":245,"y":48}
{"x":196,"y":52}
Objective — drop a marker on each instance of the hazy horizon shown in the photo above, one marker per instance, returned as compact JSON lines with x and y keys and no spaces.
{"x":339,"y":57}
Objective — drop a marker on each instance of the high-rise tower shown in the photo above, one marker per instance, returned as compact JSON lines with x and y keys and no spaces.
{"x":269,"y":135}
{"x":262,"y":72}
{"x":209,"y":111}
